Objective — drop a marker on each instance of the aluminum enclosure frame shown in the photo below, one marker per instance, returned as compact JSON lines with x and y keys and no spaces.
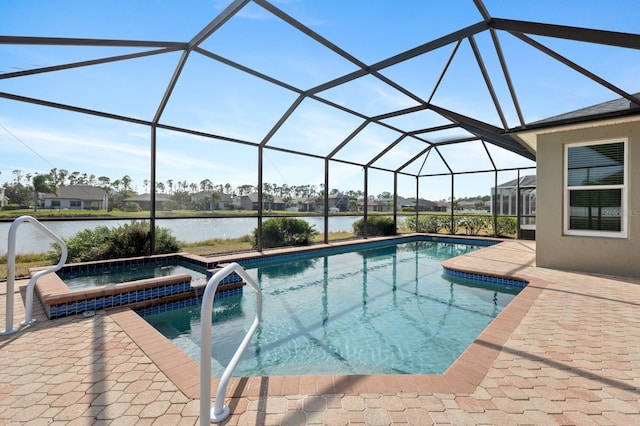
{"x":503,"y":136}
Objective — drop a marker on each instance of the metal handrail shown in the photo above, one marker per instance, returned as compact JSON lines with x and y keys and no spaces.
{"x":11,"y":272}
{"x":220,"y":410}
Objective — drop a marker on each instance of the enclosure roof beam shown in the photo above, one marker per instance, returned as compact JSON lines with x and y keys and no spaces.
{"x":434,"y":129}
{"x":384,"y":151}
{"x":611,"y":38}
{"x":72,"y":108}
{"x":87,"y":63}
{"x":307,"y":31}
{"x":486,"y":131}
{"x":429,"y":46}
{"x":217,"y":22}
{"x":577,"y":67}
{"x":89,"y":42}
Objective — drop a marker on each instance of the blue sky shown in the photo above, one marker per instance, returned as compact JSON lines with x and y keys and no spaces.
{"x":215,"y":98}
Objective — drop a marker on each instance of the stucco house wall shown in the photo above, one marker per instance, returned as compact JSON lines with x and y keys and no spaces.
{"x":617,"y":256}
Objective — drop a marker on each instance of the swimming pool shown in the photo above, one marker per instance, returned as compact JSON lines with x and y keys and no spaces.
{"x":376,"y":310}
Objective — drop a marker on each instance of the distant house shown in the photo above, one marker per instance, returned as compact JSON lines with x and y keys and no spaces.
{"x":305,"y":204}
{"x":377,"y":205}
{"x":506,"y":197}
{"x":144,"y":201}
{"x":423,"y":205}
{"x":223,"y":201}
{"x":474,"y":205}
{"x":337,"y":203}
{"x":3,"y":200}
{"x":77,"y":197}
{"x":250,"y":202}
{"x":340,"y":201}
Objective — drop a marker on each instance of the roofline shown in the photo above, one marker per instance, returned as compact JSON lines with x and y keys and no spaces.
{"x":576,"y":120}
{"x":528,"y":136}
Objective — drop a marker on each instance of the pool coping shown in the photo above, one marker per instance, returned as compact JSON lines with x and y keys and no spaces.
{"x":59,"y":300}
{"x":462,"y":377}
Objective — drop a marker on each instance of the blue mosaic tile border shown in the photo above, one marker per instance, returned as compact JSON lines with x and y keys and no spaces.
{"x":193,"y":301}
{"x":203,"y":265}
{"x":120,"y":299}
{"x":485,"y":278}
{"x":115,"y":265}
{"x":229,"y":279}
{"x":254,"y":262}
{"x":169,"y":306}
{"x":459,"y":240}
{"x":186,"y":261}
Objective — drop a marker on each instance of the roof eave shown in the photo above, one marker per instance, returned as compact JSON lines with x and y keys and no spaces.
{"x":528,"y":135}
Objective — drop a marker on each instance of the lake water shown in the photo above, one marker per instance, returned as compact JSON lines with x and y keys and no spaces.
{"x":31,"y":240}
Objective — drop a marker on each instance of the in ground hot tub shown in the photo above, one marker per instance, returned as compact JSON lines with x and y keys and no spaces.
{"x":101,"y":292}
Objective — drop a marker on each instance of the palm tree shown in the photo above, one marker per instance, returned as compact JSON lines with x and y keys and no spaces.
{"x":126,"y":182}
{"x":73,"y":178}
{"x":17,"y":175}
{"x":245,"y":189}
{"x":54,"y":173}
{"x":62,"y":176}
{"x":206,"y":185}
{"x":105,"y":181}
{"x":42,"y":184}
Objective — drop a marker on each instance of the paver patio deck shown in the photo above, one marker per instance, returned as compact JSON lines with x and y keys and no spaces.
{"x":565,"y":351}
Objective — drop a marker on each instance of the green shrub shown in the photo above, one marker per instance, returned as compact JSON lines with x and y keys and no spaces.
{"x":473,"y":224}
{"x":170,"y":205}
{"x":376,"y":226}
{"x":507,"y":226}
{"x":129,"y":240}
{"x":132,"y":207}
{"x":451,"y":227}
{"x":410,"y":223}
{"x":84,"y":246}
{"x":284,"y":231}
{"x":426,"y":223}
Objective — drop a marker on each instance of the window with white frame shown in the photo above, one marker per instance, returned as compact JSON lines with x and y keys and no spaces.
{"x":595,"y":201}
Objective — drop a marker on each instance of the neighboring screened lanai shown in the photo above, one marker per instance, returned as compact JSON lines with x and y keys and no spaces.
{"x":419,"y":99}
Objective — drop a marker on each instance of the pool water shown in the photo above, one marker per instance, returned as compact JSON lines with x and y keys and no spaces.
{"x":84,"y":280}
{"x":372,"y":311}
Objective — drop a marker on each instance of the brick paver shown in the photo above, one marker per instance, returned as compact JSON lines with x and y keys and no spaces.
{"x":569,"y":355}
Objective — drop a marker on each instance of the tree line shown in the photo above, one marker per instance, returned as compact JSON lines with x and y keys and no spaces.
{"x":27,"y":193}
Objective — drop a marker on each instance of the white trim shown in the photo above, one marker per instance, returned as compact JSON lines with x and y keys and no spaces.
{"x":624,"y":188}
